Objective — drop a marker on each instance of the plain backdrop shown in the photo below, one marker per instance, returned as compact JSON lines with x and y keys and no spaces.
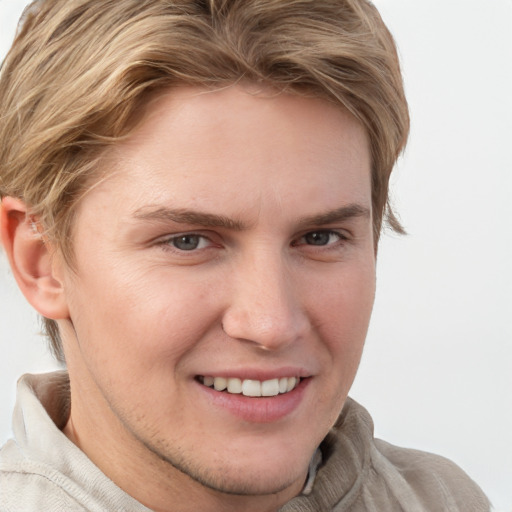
{"x":437,"y":369}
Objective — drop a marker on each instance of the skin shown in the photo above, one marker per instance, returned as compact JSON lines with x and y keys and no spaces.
{"x":278,"y":278}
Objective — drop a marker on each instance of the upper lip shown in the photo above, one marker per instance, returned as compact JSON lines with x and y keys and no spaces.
{"x":258,"y":373}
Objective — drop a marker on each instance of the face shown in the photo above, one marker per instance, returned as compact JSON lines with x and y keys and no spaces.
{"x":229,"y":245}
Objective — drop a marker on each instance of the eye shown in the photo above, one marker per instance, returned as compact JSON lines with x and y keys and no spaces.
{"x":321,"y":238}
{"x":188,"y":242}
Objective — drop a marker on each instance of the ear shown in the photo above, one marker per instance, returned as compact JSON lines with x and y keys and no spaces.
{"x":31,"y":259}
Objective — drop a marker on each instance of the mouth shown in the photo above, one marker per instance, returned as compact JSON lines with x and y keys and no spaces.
{"x":249,"y":387}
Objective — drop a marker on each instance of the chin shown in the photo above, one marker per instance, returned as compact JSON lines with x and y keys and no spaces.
{"x":249,"y":481}
{"x":254,"y":471}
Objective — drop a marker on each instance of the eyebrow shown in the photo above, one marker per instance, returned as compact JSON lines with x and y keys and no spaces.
{"x":344,"y":213}
{"x":184,"y":216}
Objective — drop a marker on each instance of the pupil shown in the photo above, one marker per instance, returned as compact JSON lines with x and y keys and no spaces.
{"x":318,"y":238}
{"x":186,"y":242}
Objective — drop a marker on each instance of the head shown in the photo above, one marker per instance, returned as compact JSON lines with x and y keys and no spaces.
{"x":204,"y":185}
{"x":80,"y":73}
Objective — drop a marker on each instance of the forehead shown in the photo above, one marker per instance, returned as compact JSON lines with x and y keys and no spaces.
{"x":208,"y":145}
{"x":213,"y":113}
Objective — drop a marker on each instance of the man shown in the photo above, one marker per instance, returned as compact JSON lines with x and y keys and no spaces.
{"x":192,"y":197}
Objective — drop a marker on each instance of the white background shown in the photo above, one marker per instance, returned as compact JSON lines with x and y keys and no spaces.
{"x":437,"y":368}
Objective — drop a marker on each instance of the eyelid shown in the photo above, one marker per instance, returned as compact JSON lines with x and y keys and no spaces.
{"x":166,"y":240}
{"x":341,"y":233}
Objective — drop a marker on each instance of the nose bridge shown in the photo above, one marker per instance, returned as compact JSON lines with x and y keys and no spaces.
{"x":265,"y":307}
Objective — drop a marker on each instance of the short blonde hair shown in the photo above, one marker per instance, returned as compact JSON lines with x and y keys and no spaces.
{"x":80,"y":72}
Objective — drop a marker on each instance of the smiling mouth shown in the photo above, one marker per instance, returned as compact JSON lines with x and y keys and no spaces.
{"x":249,"y":387}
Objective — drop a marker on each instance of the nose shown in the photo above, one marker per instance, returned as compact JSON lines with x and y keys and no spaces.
{"x":265,"y":306}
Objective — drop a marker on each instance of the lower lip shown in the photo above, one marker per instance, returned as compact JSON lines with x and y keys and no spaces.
{"x":259,"y":409}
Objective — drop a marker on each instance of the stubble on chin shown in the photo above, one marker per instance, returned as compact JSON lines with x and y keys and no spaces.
{"x":224,"y":478}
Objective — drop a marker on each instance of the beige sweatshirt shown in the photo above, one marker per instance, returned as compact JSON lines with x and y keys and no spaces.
{"x":42,"y":471}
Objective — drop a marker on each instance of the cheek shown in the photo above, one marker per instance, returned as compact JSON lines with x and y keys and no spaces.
{"x":342,"y":318}
{"x":345,"y":296}
{"x":342,"y":314}
{"x":139,"y":320}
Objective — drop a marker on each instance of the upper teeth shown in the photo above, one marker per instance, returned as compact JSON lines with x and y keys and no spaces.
{"x":250,"y":387}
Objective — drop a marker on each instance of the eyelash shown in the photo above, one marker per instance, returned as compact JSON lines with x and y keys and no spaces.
{"x":340,"y":237}
{"x":170,"y":242}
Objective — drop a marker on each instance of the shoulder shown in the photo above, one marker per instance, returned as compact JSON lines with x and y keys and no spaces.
{"x":29,"y":486}
{"x":388,"y":477}
{"x":434,"y":480}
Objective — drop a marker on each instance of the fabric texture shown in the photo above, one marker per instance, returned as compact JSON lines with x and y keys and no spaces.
{"x":41,"y":470}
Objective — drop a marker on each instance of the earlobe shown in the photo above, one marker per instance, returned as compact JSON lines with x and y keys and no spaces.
{"x":31,"y":260}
